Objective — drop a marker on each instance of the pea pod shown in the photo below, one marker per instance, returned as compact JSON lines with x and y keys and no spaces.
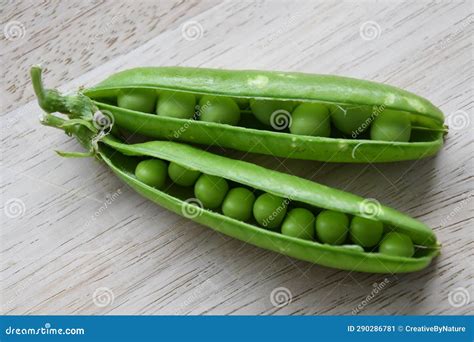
{"x":315,"y":117}
{"x":122,"y":159}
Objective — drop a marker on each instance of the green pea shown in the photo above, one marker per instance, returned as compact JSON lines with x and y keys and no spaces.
{"x":219,"y":109}
{"x":391,"y":125}
{"x":365,"y":232}
{"x":299,"y":223}
{"x":332,"y":227}
{"x":311,"y":119}
{"x":152,"y":172}
{"x":210,"y":190}
{"x":182,"y":175}
{"x":238,"y":204}
{"x":263,"y":109}
{"x":351,"y":120}
{"x":140,"y":100}
{"x":242,"y":102}
{"x":269,"y":210}
{"x":176,"y":105}
{"x":397,"y":244}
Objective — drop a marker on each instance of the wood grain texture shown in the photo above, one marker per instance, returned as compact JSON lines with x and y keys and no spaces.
{"x":74,"y":240}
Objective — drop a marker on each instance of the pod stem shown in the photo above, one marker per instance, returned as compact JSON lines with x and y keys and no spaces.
{"x":51,"y":100}
{"x":82,"y":130}
{"x":35,"y":73}
{"x":53,"y":121}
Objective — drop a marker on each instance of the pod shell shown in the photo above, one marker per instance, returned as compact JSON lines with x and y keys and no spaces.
{"x":273,"y":85}
{"x":339,"y":257}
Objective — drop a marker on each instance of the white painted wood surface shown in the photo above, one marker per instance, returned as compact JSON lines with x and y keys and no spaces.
{"x":75,"y":240}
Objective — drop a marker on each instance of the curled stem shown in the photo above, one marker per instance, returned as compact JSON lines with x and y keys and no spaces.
{"x":51,"y":100}
{"x":38,"y":87}
{"x":80,"y":129}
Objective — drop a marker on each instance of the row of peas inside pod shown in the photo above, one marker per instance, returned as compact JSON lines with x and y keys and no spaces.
{"x":275,"y":213}
{"x":308,"y":118}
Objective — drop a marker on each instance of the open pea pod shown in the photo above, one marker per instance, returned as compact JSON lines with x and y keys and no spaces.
{"x":125,"y":160}
{"x":291,"y":115}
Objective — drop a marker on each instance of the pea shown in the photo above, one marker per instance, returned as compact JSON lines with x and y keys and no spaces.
{"x":263,"y":109}
{"x":238,"y":204}
{"x":332,"y":227}
{"x":219,"y":109}
{"x":176,"y":105}
{"x":351,"y":120}
{"x":269,"y":210}
{"x":391,"y":125}
{"x":299,"y":223}
{"x":182,"y":175}
{"x":365,"y":232}
{"x":152,"y":172}
{"x":311,"y":119}
{"x":210,"y":190}
{"x":140,"y":100}
{"x":397,"y":244}
{"x":242,"y":102}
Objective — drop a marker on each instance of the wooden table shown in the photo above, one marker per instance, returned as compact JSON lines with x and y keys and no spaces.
{"x":75,"y":240}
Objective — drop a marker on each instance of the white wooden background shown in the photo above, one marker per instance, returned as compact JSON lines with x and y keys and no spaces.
{"x":75,"y":240}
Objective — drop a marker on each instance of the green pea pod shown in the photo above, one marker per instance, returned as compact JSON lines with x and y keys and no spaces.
{"x":122,"y":160}
{"x":425,"y":119}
